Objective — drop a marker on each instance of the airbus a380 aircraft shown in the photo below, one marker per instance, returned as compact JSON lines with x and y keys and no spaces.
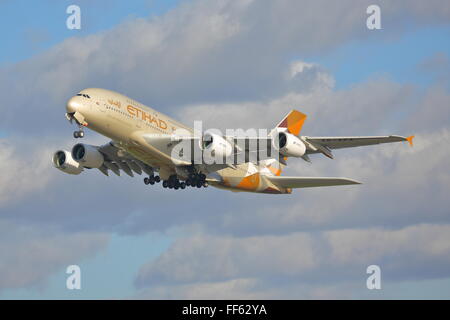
{"x":144,"y":141}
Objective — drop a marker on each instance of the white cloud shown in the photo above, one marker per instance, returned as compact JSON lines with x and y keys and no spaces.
{"x":22,"y":174}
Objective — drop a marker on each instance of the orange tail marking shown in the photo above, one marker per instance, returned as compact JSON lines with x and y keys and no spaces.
{"x":410,"y":140}
{"x":274,"y":170}
{"x":293,"y":122}
{"x":250,"y":182}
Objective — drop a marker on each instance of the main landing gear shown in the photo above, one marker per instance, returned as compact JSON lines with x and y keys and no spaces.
{"x":197,"y":180}
{"x":193,"y":180}
{"x":152,"y":180}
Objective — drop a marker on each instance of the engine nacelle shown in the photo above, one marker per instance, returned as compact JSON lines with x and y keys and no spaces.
{"x":88,"y":156}
{"x":63,"y":161}
{"x":289,"y":145}
{"x":216,"y":146}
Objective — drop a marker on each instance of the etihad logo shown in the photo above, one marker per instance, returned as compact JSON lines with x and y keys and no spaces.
{"x":138,"y":113}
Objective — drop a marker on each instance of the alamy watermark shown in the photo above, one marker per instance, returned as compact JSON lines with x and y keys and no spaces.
{"x":374,"y":280}
{"x":73,"y":21}
{"x":373,"y":22}
{"x":73,"y":281}
{"x":235,"y":147}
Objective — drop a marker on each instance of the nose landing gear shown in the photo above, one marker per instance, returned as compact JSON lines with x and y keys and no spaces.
{"x":78,"y":134}
{"x":80,"y":121}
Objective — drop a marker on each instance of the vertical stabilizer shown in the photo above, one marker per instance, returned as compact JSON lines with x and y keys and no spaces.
{"x":293,"y":122}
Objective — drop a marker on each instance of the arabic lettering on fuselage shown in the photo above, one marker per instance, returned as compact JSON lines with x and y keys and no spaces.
{"x":115,"y":103}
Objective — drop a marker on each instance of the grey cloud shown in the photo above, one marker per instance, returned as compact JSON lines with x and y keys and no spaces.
{"x":200,"y":52}
{"x":29,"y":254}
{"x":366,"y":107}
{"x":415,"y":252}
{"x":433,"y":112}
{"x":248,"y":288}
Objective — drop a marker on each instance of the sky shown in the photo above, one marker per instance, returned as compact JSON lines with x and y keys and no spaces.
{"x":232,"y":64}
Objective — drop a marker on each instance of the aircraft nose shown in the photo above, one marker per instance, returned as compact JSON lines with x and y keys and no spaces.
{"x":73,"y":105}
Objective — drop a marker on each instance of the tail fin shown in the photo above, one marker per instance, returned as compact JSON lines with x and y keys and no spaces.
{"x":293,"y":122}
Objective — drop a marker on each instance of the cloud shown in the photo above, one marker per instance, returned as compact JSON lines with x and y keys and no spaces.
{"x":367,"y":106}
{"x":31,"y":254}
{"x":205,"y":263}
{"x":21,"y":174}
{"x":203,"y":51}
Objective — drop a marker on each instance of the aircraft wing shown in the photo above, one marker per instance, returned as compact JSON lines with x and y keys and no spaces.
{"x":309,"y":182}
{"x":117,"y":160}
{"x":325,"y":144}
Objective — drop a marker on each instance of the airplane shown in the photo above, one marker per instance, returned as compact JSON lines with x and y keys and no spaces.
{"x":143,"y":142}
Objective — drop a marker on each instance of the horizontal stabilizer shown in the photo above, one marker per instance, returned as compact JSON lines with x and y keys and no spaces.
{"x":315,"y":144}
{"x":309,"y":182}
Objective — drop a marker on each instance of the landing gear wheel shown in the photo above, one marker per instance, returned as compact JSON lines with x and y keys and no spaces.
{"x":199,"y":184}
{"x":183,"y":185}
{"x":165,"y":184}
{"x":78,"y":134}
{"x":146,"y":180}
{"x":157,"y":179}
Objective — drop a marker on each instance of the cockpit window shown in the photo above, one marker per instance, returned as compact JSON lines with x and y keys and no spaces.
{"x":83,"y":95}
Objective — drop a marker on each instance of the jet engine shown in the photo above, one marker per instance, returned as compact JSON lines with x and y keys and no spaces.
{"x":88,"y":156}
{"x":289,"y":145}
{"x":63,"y":161}
{"x":217,"y":146}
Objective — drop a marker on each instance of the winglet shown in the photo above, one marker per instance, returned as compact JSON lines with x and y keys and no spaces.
{"x":410,"y":140}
